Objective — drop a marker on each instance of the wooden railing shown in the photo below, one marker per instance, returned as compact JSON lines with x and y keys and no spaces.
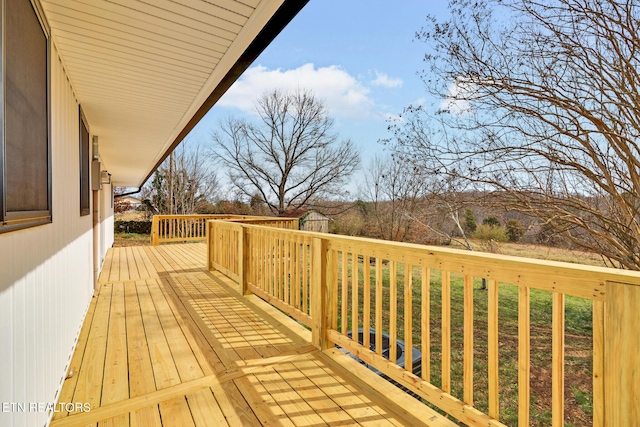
{"x":186,"y":228}
{"x":226,"y":236}
{"x":337,"y":285}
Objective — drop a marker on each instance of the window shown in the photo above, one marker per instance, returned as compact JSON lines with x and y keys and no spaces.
{"x":25,"y":151}
{"x":85,"y":190}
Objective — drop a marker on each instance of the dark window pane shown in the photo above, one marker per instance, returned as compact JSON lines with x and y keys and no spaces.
{"x":26,"y":140}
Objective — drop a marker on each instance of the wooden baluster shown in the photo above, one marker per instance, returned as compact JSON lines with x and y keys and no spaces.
{"x":345,"y":292}
{"x":524,"y":356}
{"x":379,"y":328}
{"x":468,"y":340}
{"x":305,"y":272}
{"x":557,"y":361}
{"x":366,"y":311}
{"x":446,"y":331}
{"x":393,"y":312}
{"x":598,"y":364}
{"x":425,"y":320}
{"x":408,"y":317}
{"x":355,"y":262}
{"x":492,"y":337}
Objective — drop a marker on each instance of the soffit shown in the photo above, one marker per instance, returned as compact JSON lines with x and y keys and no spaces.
{"x":142,"y":69}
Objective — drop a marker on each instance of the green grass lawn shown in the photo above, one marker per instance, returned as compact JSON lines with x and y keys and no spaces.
{"x":130,"y":239}
{"x":578,"y":343}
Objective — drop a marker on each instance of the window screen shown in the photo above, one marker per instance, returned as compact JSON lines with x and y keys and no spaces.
{"x":26,"y":151}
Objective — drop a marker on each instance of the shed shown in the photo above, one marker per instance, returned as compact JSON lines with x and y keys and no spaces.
{"x":310,"y":220}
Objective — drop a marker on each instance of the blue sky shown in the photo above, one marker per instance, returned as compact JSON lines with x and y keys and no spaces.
{"x":360,"y":56}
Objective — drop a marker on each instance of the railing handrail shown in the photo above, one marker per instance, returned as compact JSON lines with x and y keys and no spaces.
{"x":592,"y":279}
{"x":192,"y":227}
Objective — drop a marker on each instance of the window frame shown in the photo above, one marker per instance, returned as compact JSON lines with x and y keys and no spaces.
{"x":85,"y":160}
{"x":14,"y":220}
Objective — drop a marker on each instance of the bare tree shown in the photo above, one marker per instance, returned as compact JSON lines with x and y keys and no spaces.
{"x":394,"y":188}
{"x":291,"y":157}
{"x":181,"y":183}
{"x":541,"y":107}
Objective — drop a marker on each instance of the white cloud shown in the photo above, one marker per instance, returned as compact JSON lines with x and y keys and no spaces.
{"x":460,"y":92}
{"x":383,"y":79}
{"x":344,"y":95}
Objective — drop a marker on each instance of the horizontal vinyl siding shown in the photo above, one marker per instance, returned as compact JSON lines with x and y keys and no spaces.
{"x":46,"y":275}
{"x":106,"y":221}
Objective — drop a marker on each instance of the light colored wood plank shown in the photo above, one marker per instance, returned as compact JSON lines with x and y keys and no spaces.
{"x":146,"y":417}
{"x":334,"y":382}
{"x":165,"y":372}
{"x":141,"y":380}
{"x":378,"y":311}
{"x":297,"y":409}
{"x":115,"y":383}
{"x":524,"y":355}
{"x":68,"y":388}
{"x":175,"y":412}
{"x":366,"y":310}
{"x":114,"y":273}
{"x":468,"y":340}
{"x":298,"y":379}
{"x":557,"y":361}
{"x":446,"y":331}
{"x":344,"y":287}
{"x":492,"y":349}
{"x":408,"y":315}
{"x":305,"y":274}
{"x":355,"y":300}
{"x":89,"y":384}
{"x":393,"y":311}
{"x":425,"y":319}
{"x":320,"y":294}
{"x":622,"y":358}
{"x":265,"y":407}
{"x":598,"y":363}
{"x":205,"y":409}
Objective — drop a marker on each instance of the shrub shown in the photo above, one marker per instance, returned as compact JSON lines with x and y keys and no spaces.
{"x":138,"y":227}
{"x":470,"y":225}
{"x":514,"y":229}
{"x":487,"y":232}
{"x":491,"y":221}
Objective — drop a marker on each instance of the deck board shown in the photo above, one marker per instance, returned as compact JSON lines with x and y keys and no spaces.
{"x":167,"y":343}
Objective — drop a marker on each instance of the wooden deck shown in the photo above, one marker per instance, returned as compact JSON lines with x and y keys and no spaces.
{"x":167,"y":343}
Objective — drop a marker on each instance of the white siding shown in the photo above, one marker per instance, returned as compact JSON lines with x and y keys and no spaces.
{"x":106,"y":221}
{"x":46,"y":275}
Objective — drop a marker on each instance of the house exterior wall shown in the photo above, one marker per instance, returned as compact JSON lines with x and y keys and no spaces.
{"x":106,"y":221}
{"x":46,"y":275}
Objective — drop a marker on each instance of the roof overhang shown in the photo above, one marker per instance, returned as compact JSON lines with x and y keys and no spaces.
{"x":146,"y":71}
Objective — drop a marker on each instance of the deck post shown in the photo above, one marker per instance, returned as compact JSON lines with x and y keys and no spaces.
{"x":320,"y":294}
{"x":622,"y":356}
{"x":243,"y":261}
{"x":154,"y":231}
{"x":210,"y":245}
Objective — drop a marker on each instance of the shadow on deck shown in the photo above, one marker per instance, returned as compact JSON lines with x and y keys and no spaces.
{"x":167,"y":343}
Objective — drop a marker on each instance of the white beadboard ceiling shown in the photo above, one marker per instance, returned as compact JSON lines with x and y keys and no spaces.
{"x":145,"y":71}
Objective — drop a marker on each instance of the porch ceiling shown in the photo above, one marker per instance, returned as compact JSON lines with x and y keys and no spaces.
{"x":146,"y":71}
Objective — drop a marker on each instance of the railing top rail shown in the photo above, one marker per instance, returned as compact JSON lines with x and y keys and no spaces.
{"x":580,"y":280}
